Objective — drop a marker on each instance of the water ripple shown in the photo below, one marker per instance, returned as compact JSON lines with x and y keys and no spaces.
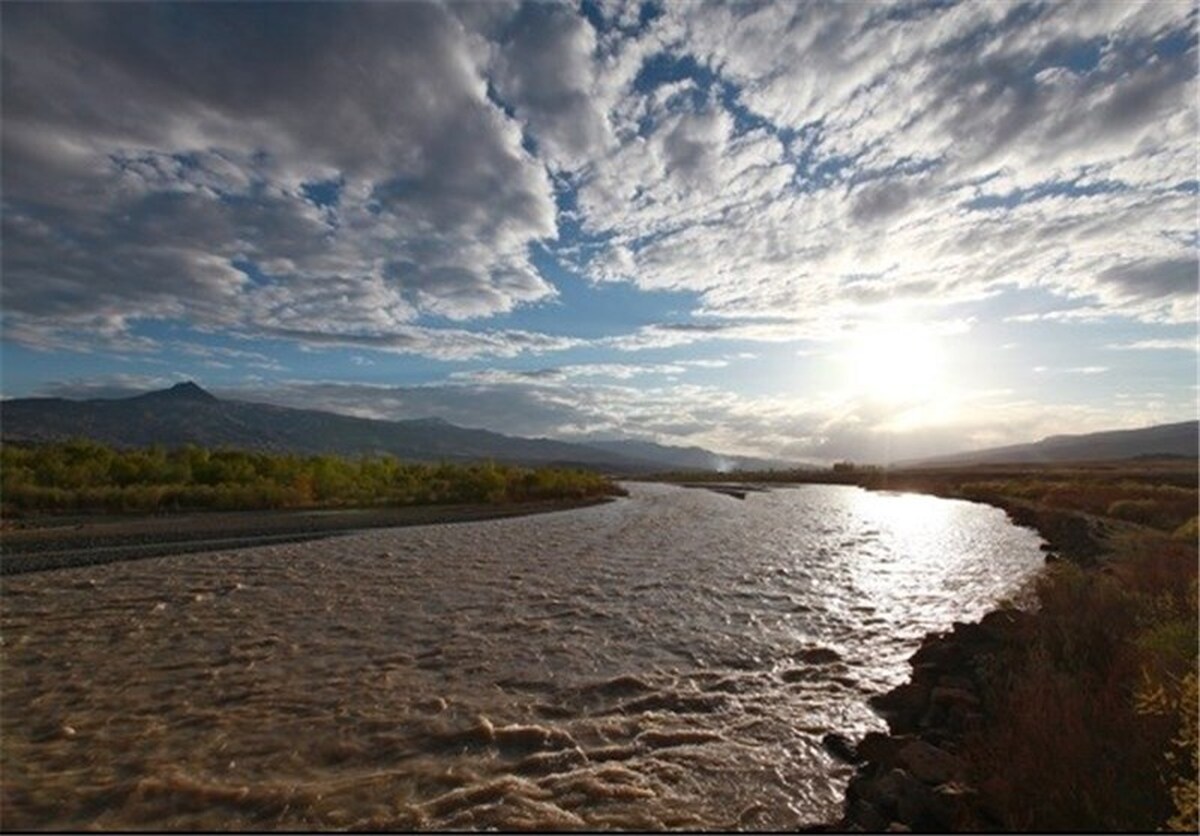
{"x":671,"y":660}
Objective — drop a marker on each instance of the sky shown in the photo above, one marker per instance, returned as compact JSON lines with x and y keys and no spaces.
{"x":810,"y":231}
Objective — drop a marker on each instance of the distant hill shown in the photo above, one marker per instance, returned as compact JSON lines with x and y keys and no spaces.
{"x":187,"y":414}
{"x":686,"y":458}
{"x":1180,"y":440}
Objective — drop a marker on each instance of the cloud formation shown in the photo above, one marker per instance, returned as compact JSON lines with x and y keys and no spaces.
{"x":618,"y":184}
{"x":342,"y":173}
{"x":834,"y":157}
{"x":352,"y":169}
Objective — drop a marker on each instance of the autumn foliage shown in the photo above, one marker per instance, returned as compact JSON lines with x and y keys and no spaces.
{"x":84,"y":476}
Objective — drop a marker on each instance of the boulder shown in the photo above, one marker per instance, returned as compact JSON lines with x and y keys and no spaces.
{"x":841,"y":748}
{"x":952,"y":681}
{"x":819,"y":656}
{"x":905,"y":797}
{"x":1008,"y":625}
{"x":937,"y":650}
{"x":947,"y":696}
{"x":953,"y":806}
{"x":930,"y":764}
{"x":902,"y":706}
{"x":862,"y":815}
{"x":882,"y":749}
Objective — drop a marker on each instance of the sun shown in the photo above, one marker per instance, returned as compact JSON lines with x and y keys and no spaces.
{"x":895,"y":362}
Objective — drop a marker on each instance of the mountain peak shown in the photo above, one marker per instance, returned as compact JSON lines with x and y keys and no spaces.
{"x":187,"y":390}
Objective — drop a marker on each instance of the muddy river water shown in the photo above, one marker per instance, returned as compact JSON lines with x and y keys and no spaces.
{"x":670,"y":660}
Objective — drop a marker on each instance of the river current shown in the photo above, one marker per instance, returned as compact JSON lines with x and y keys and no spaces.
{"x":670,"y":660}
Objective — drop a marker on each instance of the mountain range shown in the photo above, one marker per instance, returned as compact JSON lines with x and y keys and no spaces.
{"x":187,"y":414}
{"x":1179,"y":440}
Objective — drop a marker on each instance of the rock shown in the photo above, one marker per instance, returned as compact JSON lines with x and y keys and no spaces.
{"x":993,"y":790}
{"x":936,"y":651}
{"x":943,"y":695}
{"x":952,"y":805}
{"x":865,"y":816}
{"x":969,"y":639}
{"x":861,"y":785}
{"x":906,"y":797}
{"x":952,"y":681}
{"x":930,"y":764}
{"x":841,"y":748}
{"x":1008,"y":625}
{"x":902,"y":706}
{"x":882,"y":749}
{"x":898,"y":827}
{"x":819,"y":656}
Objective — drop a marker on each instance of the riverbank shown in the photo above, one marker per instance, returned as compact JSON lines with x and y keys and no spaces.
{"x":1080,"y":715}
{"x":57,"y":542}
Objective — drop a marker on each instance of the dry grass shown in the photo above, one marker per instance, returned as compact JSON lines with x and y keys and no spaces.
{"x":1095,"y":728}
{"x":1159,"y":506}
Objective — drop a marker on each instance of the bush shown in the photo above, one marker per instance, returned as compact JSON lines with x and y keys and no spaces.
{"x":1189,"y":531}
{"x":1141,"y":511}
{"x":1098,"y":725}
{"x":84,"y":476}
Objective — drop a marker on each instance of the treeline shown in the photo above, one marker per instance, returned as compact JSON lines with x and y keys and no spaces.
{"x":85,"y":476}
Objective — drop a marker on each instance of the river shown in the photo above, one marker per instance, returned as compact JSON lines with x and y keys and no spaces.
{"x":670,"y":660}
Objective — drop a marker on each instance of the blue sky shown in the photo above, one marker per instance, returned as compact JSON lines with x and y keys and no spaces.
{"x":806,"y":230}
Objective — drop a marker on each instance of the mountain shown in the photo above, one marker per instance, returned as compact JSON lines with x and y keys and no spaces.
{"x":686,"y":458}
{"x":187,"y":414}
{"x":1163,"y":440}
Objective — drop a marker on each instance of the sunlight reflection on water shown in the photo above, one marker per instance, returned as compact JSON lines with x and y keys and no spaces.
{"x":671,"y":660}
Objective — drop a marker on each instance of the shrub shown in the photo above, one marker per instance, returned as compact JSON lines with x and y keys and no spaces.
{"x":84,"y":476}
{"x":1189,"y":531}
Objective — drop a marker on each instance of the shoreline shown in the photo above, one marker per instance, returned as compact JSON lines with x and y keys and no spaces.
{"x":913,"y":778}
{"x":69,"y":542}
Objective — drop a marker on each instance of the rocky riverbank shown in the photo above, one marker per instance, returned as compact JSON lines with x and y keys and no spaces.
{"x":914,"y":778}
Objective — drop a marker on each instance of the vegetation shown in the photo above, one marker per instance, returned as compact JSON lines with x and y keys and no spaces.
{"x":1093,"y":722}
{"x":85,"y":476}
{"x":1162,"y":506}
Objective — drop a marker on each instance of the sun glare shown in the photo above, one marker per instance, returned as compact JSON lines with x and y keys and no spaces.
{"x":895,"y":362}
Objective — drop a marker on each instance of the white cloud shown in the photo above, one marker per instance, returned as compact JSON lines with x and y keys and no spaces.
{"x":1180,"y":344}
{"x":964,"y":171}
{"x":546,"y":69}
{"x":1071,"y":370}
{"x":145,"y":199}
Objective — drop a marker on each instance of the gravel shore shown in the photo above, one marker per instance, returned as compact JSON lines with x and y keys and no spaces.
{"x":64,"y":542}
